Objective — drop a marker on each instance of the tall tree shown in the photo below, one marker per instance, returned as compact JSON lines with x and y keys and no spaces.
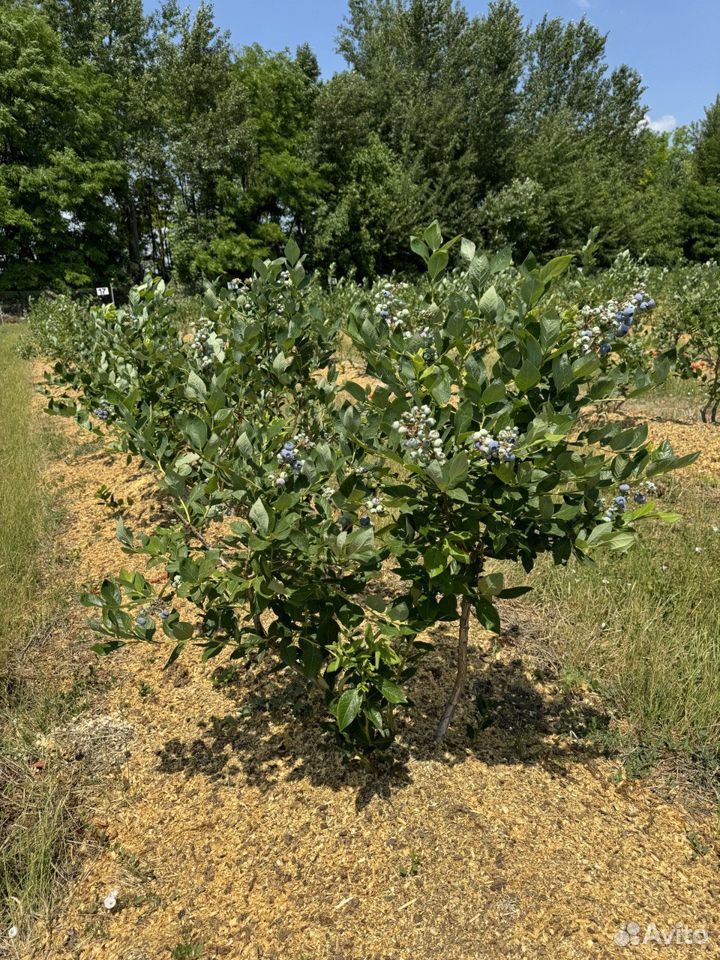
{"x":112,"y":35}
{"x":702,"y":200}
{"x":56,"y":181}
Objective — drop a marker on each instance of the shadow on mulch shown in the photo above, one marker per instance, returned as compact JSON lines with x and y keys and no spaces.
{"x":513,"y":712}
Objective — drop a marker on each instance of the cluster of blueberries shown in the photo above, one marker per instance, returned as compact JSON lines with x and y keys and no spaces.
{"x":143,"y":618}
{"x":289,"y":457}
{"x":599,"y":326}
{"x":501,"y":447}
{"x":419,"y":437}
{"x":645,"y":489}
{"x":374,"y":507}
{"x":391,"y":308}
{"x":101,"y":413}
{"x":202,"y":345}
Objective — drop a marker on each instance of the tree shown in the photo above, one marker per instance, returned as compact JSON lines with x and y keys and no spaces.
{"x":702,"y":199}
{"x":113,"y":36}
{"x":56,"y":180}
{"x":363,"y":228}
{"x":239,"y":133}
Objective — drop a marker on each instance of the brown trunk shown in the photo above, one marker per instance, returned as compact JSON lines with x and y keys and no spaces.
{"x":461,"y":674}
{"x":133,"y":238}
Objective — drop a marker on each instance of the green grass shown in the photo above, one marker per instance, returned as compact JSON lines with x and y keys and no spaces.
{"x":34,"y":803}
{"x":643,"y":629}
{"x":675,"y":399}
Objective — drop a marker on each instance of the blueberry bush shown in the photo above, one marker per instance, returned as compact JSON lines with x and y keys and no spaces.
{"x":689,"y":334}
{"x":326,"y":523}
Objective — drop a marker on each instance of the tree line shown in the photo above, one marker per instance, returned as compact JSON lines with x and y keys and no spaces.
{"x":131,"y":142}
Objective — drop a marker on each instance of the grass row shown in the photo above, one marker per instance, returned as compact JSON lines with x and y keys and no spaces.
{"x":643,"y":629}
{"x":35,"y":820}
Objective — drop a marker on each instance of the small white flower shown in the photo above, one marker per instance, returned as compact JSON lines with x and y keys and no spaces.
{"x":716,"y":529}
{"x":605,"y":580}
{"x":664,"y":567}
{"x":698,"y":549}
{"x":12,"y":932}
{"x":603,"y":625}
{"x":110,"y":901}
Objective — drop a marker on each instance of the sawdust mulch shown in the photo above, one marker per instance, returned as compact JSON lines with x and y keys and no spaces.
{"x":232,"y":829}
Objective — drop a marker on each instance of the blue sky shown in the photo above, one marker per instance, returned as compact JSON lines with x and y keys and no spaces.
{"x":675,"y":44}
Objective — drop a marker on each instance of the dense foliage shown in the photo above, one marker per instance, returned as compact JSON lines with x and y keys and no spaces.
{"x":134,"y":143}
{"x":328,"y":523}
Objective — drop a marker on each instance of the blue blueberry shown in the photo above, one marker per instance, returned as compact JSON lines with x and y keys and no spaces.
{"x":620,"y":502}
{"x":365,"y":521}
{"x":141,"y":621}
{"x":605,"y":348}
{"x":624,"y":488}
{"x":640,"y":498}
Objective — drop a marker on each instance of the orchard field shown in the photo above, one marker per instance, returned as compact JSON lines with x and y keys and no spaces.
{"x":405,"y":594}
{"x":359,"y":480}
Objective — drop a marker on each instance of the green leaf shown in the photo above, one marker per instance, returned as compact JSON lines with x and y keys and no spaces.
{"x":348,"y":707}
{"x":280,"y":363}
{"x":195,"y":430}
{"x":441,"y":390}
{"x":562,"y":372}
{"x":196,"y":389}
{"x":243,"y":446}
{"x":392,"y":692}
{"x":292,"y":252}
{"x":527,"y":376}
{"x":434,"y":561}
{"x":438,"y":262}
{"x":490,"y":303}
{"x":419,"y":247}
{"x":487,"y":615}
{"x":467,"y":249}
{"x":91,"y":600}
{"x":458,"y":469}
{"x":556,"y":267}
{"x":110,"y":593}
{"x":259,"y":516}
{"x":311,"y":657}
{"x":493,"y":393}
{"x":433,"y":236}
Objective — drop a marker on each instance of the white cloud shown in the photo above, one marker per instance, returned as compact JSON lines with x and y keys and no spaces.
{"x":664,"y":124}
